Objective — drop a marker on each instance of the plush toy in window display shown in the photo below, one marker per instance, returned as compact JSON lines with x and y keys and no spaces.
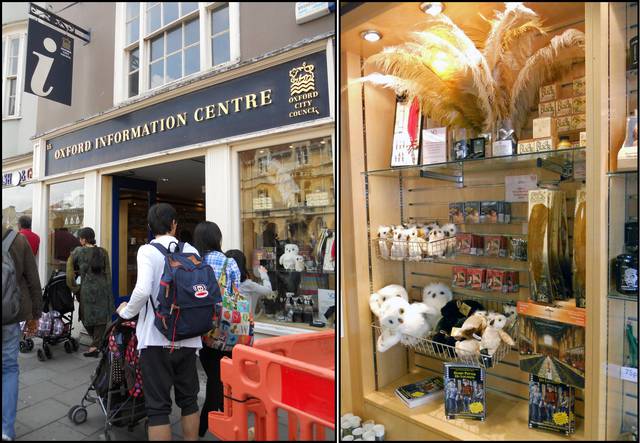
{"x":450,"y":232}
{"x":467,"y":348}
{"x":416,"y":245}
{"x":494,"y":334}
{"x":399,"y":245}
{"x":384,"y":234}
{"x":288,"y":259}
{"x":510,"y":314}
{"x":398,"y":317}
{"x":299,"y":266}
{"x":454,"y":313}
{"x":436,"y":295}
{"x":436,"y":245}
{"x":383,"y":294}
{"x":473,"y":325}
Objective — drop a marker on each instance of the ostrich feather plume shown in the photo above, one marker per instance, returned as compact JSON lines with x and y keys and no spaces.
{"x":461,"y":86}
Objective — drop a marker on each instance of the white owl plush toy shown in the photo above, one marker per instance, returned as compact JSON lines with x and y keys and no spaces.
{"x":399,"y":245}
{"x":288,"y":259}
{"x":384,"y":233}
{"x":398,"y":317}
{"x":300,"y":263}
{"x":436,"y":295}
{"x":383,"y":294}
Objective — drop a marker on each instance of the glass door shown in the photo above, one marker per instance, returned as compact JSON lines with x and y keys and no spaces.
{"x":132,"y":199}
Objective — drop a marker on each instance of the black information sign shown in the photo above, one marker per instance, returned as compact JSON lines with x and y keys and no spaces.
{"x":290,"y":93}
{"x":49,"y":63}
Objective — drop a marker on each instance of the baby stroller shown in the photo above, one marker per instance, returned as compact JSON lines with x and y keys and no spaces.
{"x":56,"y":323}
{"x":116,"y":382}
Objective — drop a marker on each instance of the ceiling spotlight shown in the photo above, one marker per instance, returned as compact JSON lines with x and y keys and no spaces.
{"x":371,"y":35}
{"x":432,"y":8}
{"x":164,"y":179}
{"x":261,"y":151}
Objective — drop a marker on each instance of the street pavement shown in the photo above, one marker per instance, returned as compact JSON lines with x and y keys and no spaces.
{"x":49,"y":389}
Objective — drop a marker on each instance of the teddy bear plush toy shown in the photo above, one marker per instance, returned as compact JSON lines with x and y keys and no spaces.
{"x":382,"y":295}
{"x":288,"y":259}
{"x":493,"y":334}
{"x":455,"y":312}
{"x":436,"y":295}
{"x":402,"y":322}
{"x":474,"y":324}
{"x":467,"y":348}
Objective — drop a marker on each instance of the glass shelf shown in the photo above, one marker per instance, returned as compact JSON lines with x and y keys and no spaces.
{"x":554,"y":160}
{"x":285,"y":212}
{"x":625,"y":297}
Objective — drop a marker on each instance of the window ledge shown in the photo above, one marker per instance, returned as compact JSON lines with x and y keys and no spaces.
{"x":14,"y":117}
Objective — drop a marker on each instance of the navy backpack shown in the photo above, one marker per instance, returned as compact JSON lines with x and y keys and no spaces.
{"x":188,"y":295}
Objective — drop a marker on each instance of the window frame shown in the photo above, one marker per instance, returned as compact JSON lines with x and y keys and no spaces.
{"x":19,"y":34}
{"x":121,"y":62}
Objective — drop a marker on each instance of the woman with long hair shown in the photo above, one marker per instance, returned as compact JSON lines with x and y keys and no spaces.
{"x":207,"y":239}
{"x":93,"y":290}
{"x":250,"y":289}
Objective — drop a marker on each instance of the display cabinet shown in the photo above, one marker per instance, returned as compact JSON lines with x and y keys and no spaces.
{"x":287,"y":198}
{"x":622,"y":232}
{"x":380,"y":195}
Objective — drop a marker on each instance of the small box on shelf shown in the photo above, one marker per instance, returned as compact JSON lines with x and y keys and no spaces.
{"x":564,"y":107}
{"x":579,"y":105}
{"x":579,"y":86}
{"x":547,"y":109}
{"x":578,"y":121}
{"x":548,"y":93}
{"x":544,"y":127}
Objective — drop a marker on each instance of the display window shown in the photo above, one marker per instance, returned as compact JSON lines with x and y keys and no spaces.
{"x":66,"y":214}
{"x":16,"y":202}
{"x":288,"y":230}
{"x":480,"y":143}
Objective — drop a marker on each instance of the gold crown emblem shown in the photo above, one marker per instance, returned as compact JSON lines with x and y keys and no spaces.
{"x":302,"y":79}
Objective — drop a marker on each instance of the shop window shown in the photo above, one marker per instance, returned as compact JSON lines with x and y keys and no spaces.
{"x":287,"y":199}
{"x":12,"y":75}
{"x":220,"y":46}
{"x":16,"y":202}
{"x":66,"y":217}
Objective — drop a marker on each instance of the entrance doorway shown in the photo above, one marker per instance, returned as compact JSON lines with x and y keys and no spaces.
{"x":179,"y":183}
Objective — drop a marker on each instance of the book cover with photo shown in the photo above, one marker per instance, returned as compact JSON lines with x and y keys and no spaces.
{"x":421,"y":392}
{"x":551,"y":405}
{"x":464,"y":391}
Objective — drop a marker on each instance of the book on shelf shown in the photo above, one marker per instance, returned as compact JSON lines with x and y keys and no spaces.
{"x":421,"y":392}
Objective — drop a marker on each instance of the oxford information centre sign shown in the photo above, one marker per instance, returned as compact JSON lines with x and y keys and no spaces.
{"x":293,"y":92}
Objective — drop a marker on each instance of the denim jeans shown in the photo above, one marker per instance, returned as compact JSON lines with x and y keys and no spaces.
{"x":10,"y":372}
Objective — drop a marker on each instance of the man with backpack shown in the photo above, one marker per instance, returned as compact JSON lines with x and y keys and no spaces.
{"x":175,"y":297}
{"x":21,"y":301}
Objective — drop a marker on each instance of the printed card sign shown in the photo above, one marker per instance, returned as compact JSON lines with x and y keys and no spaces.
{"x":517,"y":187}
{"x":406,"y":133}
{"x":434,"y":146}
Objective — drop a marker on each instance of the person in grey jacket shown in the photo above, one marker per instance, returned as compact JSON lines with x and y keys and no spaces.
{"x":250,"y":289}
{"x":30,"y":310}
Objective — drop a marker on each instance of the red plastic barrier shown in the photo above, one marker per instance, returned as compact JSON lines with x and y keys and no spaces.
{"x":295,"y":373}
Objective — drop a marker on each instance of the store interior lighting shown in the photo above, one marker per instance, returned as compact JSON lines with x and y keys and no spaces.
{"x":432,"y":8}
{"x":371,"y":35}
